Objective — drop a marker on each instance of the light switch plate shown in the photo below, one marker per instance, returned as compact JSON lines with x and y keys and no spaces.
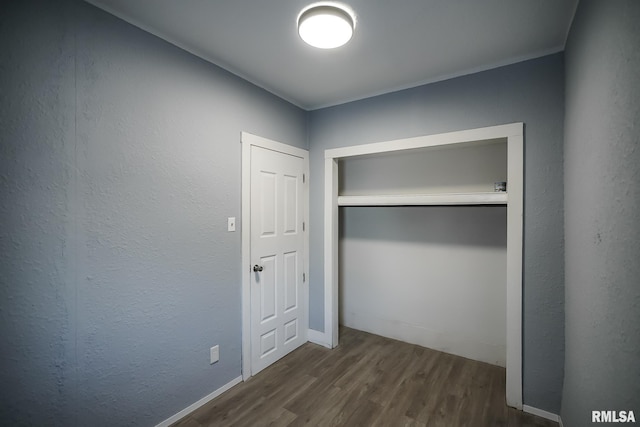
{"x":231,"y":223}
{"x":214,"y":354}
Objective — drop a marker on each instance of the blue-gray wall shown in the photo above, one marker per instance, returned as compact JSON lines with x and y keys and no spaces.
{"x":119,"y":164}
{"x":120,"y":161}
{"x":602,"y":211}
{"x":531,"y":92}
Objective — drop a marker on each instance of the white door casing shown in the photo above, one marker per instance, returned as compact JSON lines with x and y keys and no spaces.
{"x":275,"y":251}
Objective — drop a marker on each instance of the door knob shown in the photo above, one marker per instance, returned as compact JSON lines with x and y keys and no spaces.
{"x":257,"y":268}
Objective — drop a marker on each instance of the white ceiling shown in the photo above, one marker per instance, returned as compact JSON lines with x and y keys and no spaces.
{"x":397,"y":43}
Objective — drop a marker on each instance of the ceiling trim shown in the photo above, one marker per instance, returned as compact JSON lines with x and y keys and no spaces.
{"x":226,"y":67}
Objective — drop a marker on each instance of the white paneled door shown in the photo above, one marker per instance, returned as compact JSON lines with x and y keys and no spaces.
{"x":278,"y":303}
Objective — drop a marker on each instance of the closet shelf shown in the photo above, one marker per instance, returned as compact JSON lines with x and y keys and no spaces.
{"x":492,"y":198}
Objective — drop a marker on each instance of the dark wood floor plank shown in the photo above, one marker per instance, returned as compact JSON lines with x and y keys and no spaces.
{"x":367,"y":381}
{"x":273,"y":405}
{"x":187,"y":422}
{"x":392,"y":372}
{"x":320,"y":410}
{"x":362,"y":412}
{"x":428,"y":406}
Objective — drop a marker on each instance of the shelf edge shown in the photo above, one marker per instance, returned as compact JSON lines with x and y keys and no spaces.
{"x":498,"y":198}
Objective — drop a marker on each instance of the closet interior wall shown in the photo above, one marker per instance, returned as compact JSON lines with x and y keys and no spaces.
{"x":429,"y":275}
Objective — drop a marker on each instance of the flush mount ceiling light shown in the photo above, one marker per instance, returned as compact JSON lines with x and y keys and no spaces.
{"x":325,"y":26}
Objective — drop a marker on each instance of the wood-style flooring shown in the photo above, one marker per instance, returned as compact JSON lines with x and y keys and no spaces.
{"x":367,"y":381}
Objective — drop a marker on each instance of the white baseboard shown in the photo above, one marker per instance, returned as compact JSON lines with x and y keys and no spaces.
{"x":560,"y":421}
{"x":189,"y":409}
{"x":541,"y":413}
{"x":318,"y":337}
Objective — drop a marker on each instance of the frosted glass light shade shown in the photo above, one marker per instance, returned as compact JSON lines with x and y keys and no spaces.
{"x":325,"y":27}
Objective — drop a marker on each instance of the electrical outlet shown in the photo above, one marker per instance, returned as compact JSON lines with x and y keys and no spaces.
{"x":231,"y":223}
{"x":215,"y":354}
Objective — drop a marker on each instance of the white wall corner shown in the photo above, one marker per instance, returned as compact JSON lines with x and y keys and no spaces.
{"x":317,"y":337}
{"x":208,"y":398}
{"x":541,"y":413}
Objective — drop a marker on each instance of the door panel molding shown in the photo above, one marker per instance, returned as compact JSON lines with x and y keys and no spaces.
{"x":248,"y":140}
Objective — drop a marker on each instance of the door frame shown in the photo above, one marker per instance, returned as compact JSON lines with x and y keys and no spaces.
{"x":514,"y":134}
{"x":248,"y":140}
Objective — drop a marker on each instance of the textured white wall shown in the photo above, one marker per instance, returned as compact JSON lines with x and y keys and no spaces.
{"x":433,"y":276}
{"x":472,"y":168}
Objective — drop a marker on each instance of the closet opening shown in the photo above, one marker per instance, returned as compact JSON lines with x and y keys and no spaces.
{"x":420,"y":247}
